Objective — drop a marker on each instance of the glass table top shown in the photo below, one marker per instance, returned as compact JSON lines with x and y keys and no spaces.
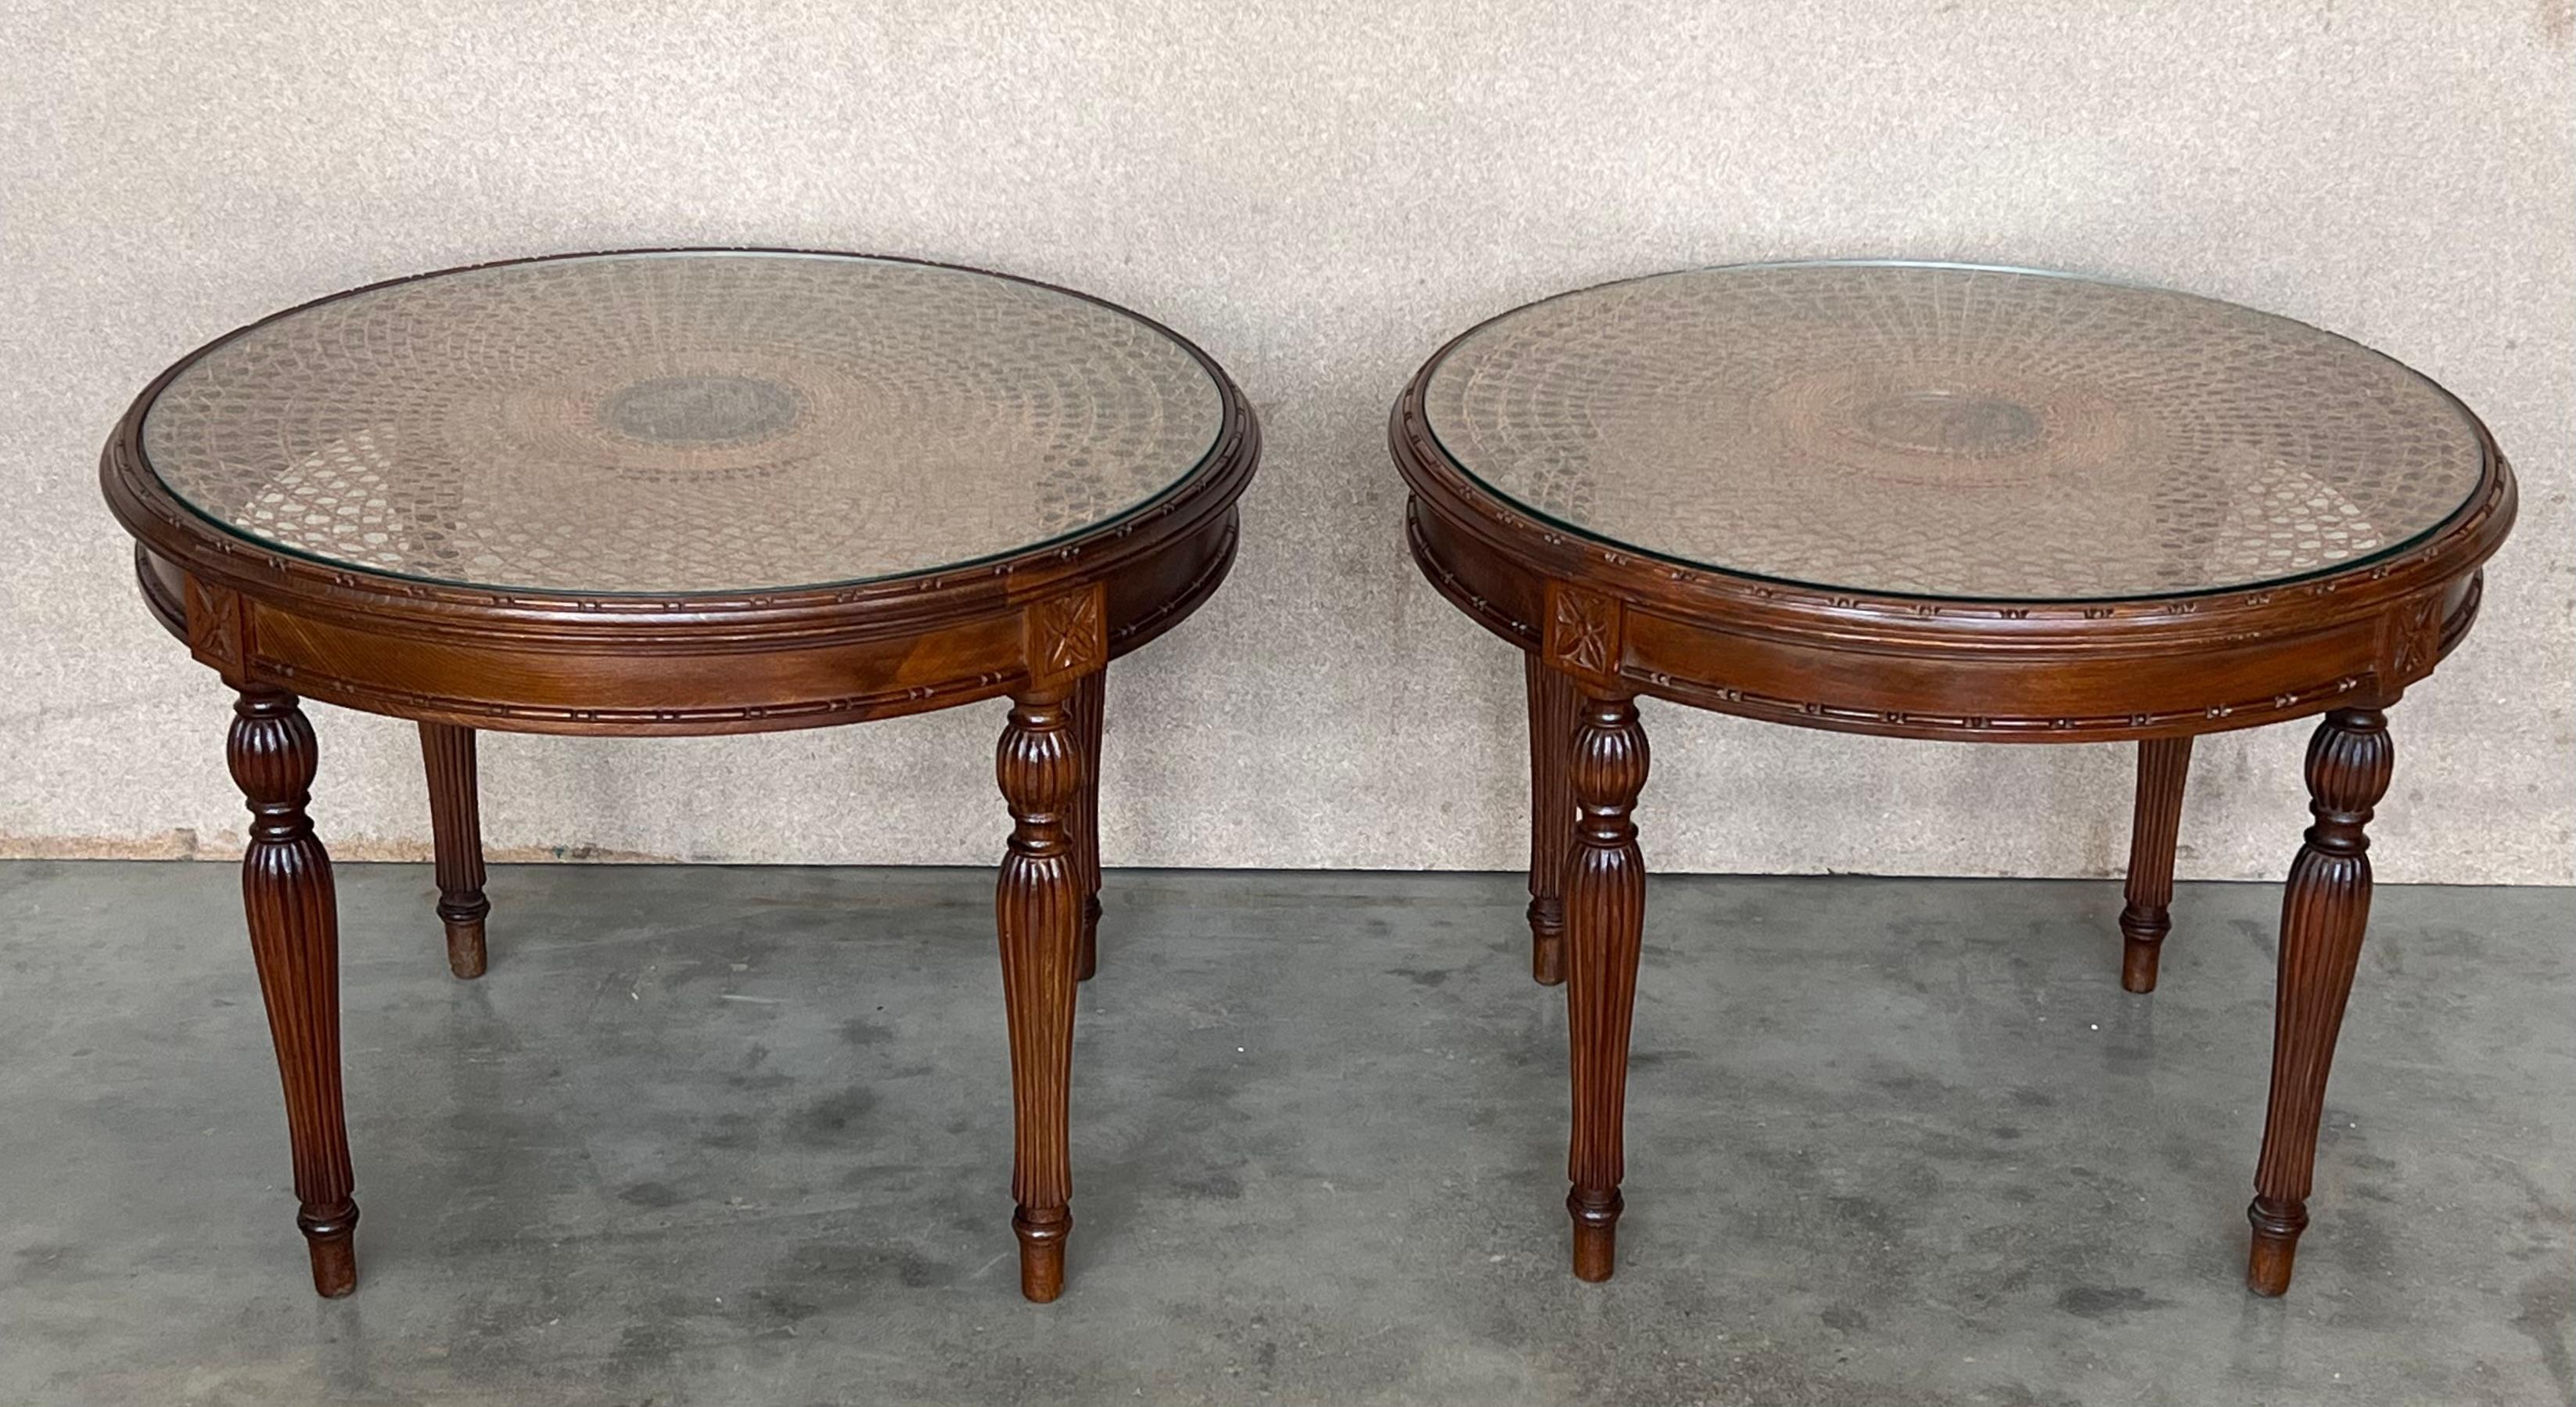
{"x":1934,"y":430}
{"x":689,"y":422}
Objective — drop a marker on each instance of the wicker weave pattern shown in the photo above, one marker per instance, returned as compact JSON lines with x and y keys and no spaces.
{"x":1955,"y":432}
{"x":691,"y":422}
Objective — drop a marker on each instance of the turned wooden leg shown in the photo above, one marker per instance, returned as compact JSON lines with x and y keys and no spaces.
{"x":1605,"y":909}
{"x":2322,"y":917}
{"x":456,"y":833}
{"x":1038,"y":907}
{"x":2163,"y":763}
{"x":295,"y":938}
{"x":1551,"y":728}
{"x":1090,"y":697}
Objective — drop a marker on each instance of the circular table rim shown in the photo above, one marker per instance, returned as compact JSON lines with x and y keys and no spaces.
{"x":1938,"y":668}
{"x":134,"y":489}
{"x":2491,"y":458}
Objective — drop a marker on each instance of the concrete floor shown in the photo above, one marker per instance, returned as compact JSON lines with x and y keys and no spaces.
{"x":736,"y":1135}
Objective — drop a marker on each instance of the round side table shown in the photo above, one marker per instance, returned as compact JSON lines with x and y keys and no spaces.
{"x":678,"y":492}
{"x":1937,"y":501}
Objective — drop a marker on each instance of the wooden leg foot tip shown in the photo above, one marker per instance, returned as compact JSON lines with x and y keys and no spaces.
{"x":1547,"y":942}
{"x":1596,"y":1237}
{"x":335,"y":1263}
{"x":2267,"y":1269}
{"x":2142,"y":938}
{"x":1596,"y":1252}
{"x":1042,"y":1272}
{"x":2275,"y":1248}
{"x":465,"y":949}
{"x":1042,"y":1256}
{"x":464,"y":919}
{"x":2138,"y":966}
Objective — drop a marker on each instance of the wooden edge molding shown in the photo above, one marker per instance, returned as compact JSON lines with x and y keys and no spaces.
{"x":751,"y":621}
{"x":684,"y":663}
{"x":665,"y":693}
{"x":891,"y":605}
{"x":1930,"y":668}
{"x":1913,"y":623}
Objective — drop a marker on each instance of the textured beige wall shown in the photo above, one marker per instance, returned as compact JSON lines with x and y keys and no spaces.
{"x":1319,"y":194}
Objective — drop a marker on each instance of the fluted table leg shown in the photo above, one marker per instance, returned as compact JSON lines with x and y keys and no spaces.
{"x":1090,"y":706}
{"x":295,"y":939}
{"x":1605,"y":908}
{"x":2323,"y":914}
{"x":456,"y":834}
{"x":2155,"y":829}
{"x":1038,"y":908}
{"x":1551,"y":729}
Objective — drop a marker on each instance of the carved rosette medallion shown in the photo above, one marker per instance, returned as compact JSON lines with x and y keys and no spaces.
{"x":1583,"y":631}
{"x":215,"y":626}
{"x":1065,"y":636}
{"x":2418,"y":637}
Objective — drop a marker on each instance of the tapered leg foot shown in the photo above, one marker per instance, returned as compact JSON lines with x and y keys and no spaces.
{"x":456,"y":833}
{"x":331,"y":1244}
{"x":466,"y":954}
{"x":2163,"y":764}
{"x":293,"y":916}
{"x":2324,"y":911}
{"x":1547,"y":942}
{"x":2275,"y":1247}
{"x":1605,"y":909}
{"x":1038,"y":905}
{"x":1551,"y":725}
{"x":1596,"y":1237}
{"x":2138,"y":958}
{"x":1042,"y":1255}
{"x":1090,"y":714}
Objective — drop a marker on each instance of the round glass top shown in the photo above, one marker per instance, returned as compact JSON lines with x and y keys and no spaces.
{"x":701,"y":421}
{"x":1939,"y":430}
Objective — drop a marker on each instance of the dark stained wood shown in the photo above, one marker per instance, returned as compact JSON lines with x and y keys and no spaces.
{"x":456,"y":838}
{"x":295,"y":939}
{"x":1605,"y":914}
{"x":1038,"y":906}
{"x":2154,"y":830}
{"x":1040,"y":625}
{"x":679,"y":665}
{"x":1551,"y":725}
{"x":1090,"y":700}
{"x":1975,"y":671}
{"x":2157,"y":670}
{"x":2323,"y":913}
